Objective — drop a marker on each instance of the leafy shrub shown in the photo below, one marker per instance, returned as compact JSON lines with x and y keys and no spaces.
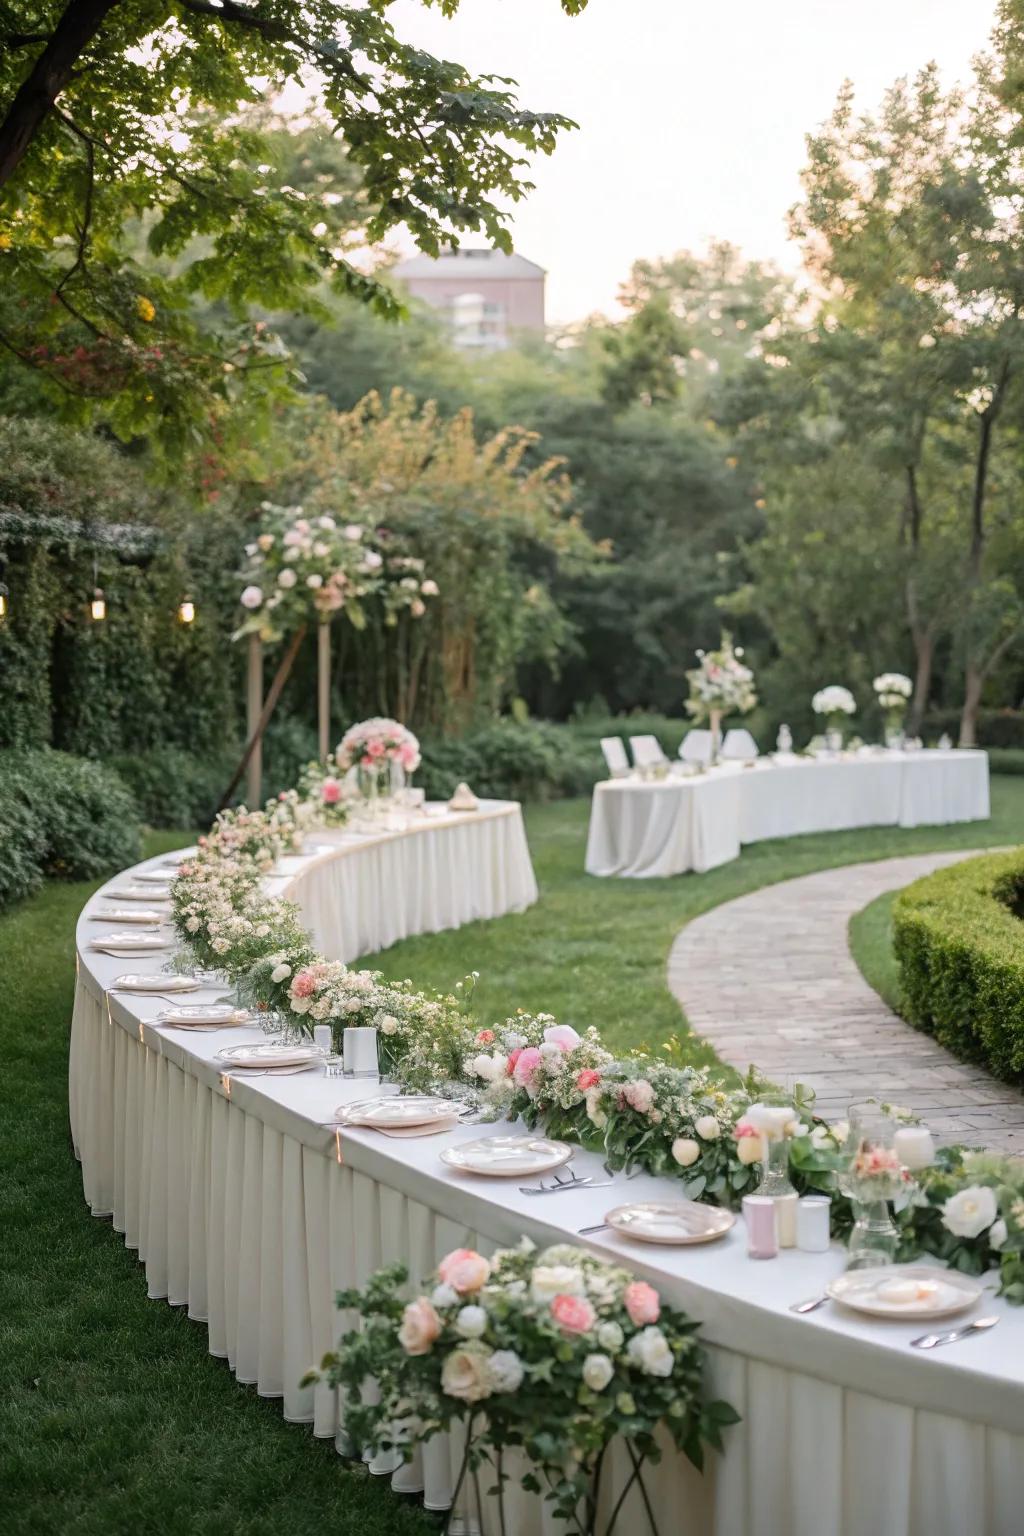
{"x":959,"y":941}
{"x":995,"y":727}
{"x":62,"y":816}
{"x":1005,"y":760}
{"x":173,"y":788}
{"x":506,"y":760}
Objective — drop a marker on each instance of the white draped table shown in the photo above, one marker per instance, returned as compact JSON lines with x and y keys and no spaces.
{"x":642,"y":828}
{"x":249,"y":1210}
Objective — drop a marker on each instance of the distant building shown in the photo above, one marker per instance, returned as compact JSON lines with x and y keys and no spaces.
{"x":486,"y":295}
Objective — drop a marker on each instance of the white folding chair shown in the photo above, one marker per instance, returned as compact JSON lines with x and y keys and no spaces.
{"x":695,"y":747}
{"x":646,"y":751}
{"x":615,"y":756}
{"x":739,"y":746}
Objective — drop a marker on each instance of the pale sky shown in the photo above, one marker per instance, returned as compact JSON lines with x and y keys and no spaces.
{"x":692,"y":113}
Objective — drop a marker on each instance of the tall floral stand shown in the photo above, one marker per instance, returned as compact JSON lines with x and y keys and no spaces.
{"x":323,"y":688}
{"x":253,"y":711}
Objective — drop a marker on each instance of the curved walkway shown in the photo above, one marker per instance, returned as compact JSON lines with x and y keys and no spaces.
{"x":769,"y":978}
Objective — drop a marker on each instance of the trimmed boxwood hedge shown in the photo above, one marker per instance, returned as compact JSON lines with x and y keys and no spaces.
{"x":959,"y":940}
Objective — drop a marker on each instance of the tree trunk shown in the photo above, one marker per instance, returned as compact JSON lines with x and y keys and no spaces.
{"x":924,"y":647}
{"x":974,"y":680}
{"x":51,"y":72}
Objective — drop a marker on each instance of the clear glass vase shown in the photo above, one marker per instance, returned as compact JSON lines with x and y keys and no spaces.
{"x":871,"y":1175}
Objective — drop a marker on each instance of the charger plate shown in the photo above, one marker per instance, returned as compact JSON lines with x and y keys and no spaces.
{"x":507,"y":1157}
{"x":888,"y":1290}
{"x":679,"y":1223}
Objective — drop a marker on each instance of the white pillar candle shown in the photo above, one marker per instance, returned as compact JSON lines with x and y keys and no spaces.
{"x":785,"y":1219}
{"x":812,"y":1219}
{"x":914,"y":1146}
{"x":360,"y":1047}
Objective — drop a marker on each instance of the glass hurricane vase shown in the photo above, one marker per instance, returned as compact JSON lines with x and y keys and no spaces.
{"x":871,"y":1175}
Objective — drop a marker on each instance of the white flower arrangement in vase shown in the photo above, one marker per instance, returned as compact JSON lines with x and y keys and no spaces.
{"x":383,"y":751}
{"x":893,"y":690}
{"x":836,"y":703}
{"x":721,"y":684}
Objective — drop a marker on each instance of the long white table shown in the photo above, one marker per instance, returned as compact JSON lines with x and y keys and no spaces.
{"x":248,"y":1210}
{"x":642,"y":829}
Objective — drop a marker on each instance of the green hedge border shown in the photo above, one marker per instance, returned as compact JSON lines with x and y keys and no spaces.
{"x":959,"y":940}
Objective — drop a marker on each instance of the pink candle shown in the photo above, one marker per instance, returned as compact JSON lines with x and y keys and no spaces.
{"x":762,"y":1236}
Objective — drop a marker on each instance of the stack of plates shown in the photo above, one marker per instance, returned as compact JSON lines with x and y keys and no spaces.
{"x":155,"y":984}
{"x":269,"y":1056}
{"x":128,"y":943}
{"x":676,"y":1222}
{"x":395,"y":1115}
{"x":507,"y":1157}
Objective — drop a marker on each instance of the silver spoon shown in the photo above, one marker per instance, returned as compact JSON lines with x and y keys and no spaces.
{"x":812,"y":1305}
{"x":931,"y":1340}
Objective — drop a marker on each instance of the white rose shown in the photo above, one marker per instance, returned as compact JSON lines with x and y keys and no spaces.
{"x":326,"y":522}
{"x":968,"y":1213}
{"x":821,"y":1137}
{"x":649,"y":1350}
{"x":610,"y":1336}
{"x":429,"y":588}
{"x":597,"y":1372}
{"x":320,"y":550}
{"x":551,"y":1280}
{"x":685,"y":1151}
{"x":997,"y":1234}
{"x":192,"y":925}
{"x":707,"y":1128}
{"x":466,"y":1373}
{"x":280,"y":972}
{"x":506,"y":1371}
{"x":314,"y":582}
{"x":372,"y":561}
{"x":252,"y":597}
{"x":287,"y":578}
{"x":471,"y":1322}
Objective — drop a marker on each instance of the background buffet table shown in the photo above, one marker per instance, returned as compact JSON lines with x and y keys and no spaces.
{"x":249,"y":1209}
{"x":643,"y":828}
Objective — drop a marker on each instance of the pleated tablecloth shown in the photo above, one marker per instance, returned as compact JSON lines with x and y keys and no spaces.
{"x":644,"y":829}
{"x":250,"y":1211}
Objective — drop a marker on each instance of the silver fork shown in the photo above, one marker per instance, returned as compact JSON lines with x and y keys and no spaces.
{"x":572,"y":1182}
{"x":932,"y":1340}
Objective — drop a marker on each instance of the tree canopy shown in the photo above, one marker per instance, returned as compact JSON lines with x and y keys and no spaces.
{"x":116,"y":111}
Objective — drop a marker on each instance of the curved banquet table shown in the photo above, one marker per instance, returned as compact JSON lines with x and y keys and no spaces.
{"x":641,"y":828}
{"x":248,"y":1209}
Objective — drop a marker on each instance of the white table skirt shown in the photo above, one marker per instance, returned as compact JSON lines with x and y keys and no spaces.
{"x":359,"y":893}
{"x":642,"y":829}
{"x":242,"y":1212}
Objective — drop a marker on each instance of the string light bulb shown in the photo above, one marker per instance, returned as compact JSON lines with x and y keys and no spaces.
{"x":186,"y":610}
{"x":98,"y":606}
{"x":4,"y":595}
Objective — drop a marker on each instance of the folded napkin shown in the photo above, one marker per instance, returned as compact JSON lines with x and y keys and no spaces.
{"x":433,"y":1129}
{"x":463,"y":799}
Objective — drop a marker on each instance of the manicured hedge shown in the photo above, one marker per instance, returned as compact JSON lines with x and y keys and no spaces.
{"x":959,"y":940}
{"x":61,"y":816}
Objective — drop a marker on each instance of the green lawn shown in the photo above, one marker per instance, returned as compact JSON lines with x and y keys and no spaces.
{"x":114,"y":1419}
{"x":871,"y":947}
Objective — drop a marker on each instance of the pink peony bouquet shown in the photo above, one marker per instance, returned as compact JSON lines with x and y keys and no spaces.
{"x":374,"y":744}
{"x":552,"y":1353}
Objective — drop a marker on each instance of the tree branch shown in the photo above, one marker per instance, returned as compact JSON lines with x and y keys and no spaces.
{"x":51,"y":72}
{"x":83,"y":233}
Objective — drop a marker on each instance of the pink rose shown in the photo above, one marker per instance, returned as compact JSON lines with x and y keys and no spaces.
{"x":484,"y":1036}
{"x":376,"y":749}
{"x":419,"y":1328}
{"x":639,"y":1095}
{"x":410,"y":757}
{"x":588,"y":1078}
{"x":562,"y":1035}
{"x":642,"y":1303}
{"x":744,"y":1128}
{"x":573,"y":1314}
{"x":304,"y":984}
{"x":464,"y":1270}
{"x":527,"y":1062}
{"x":513,"y":1058}
{"x":330,"y":791}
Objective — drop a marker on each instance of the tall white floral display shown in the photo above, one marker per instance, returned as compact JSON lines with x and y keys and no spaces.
{"x":721,"y":684}
{"x":301,"y":570}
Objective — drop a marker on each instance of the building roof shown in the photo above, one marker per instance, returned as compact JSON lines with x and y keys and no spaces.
{"x":469,"y":260}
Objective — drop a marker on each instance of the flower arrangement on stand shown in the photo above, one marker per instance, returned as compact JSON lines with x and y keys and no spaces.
{"x":835,"y":704}
{"x":893,"y":691}
{"x":383,"y":752}
{"x":300,"y":568}
{"x":720,"y":685}
{"x":547,"y":1355}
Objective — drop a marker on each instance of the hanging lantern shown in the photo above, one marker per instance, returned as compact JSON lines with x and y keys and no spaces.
{"x":186,"y":610}
{"x":98,"y":606}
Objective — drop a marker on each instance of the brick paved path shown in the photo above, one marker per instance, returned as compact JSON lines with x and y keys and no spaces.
{"x":769,"y":979}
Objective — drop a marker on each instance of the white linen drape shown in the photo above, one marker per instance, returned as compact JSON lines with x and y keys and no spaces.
{"x":642,"y":830}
